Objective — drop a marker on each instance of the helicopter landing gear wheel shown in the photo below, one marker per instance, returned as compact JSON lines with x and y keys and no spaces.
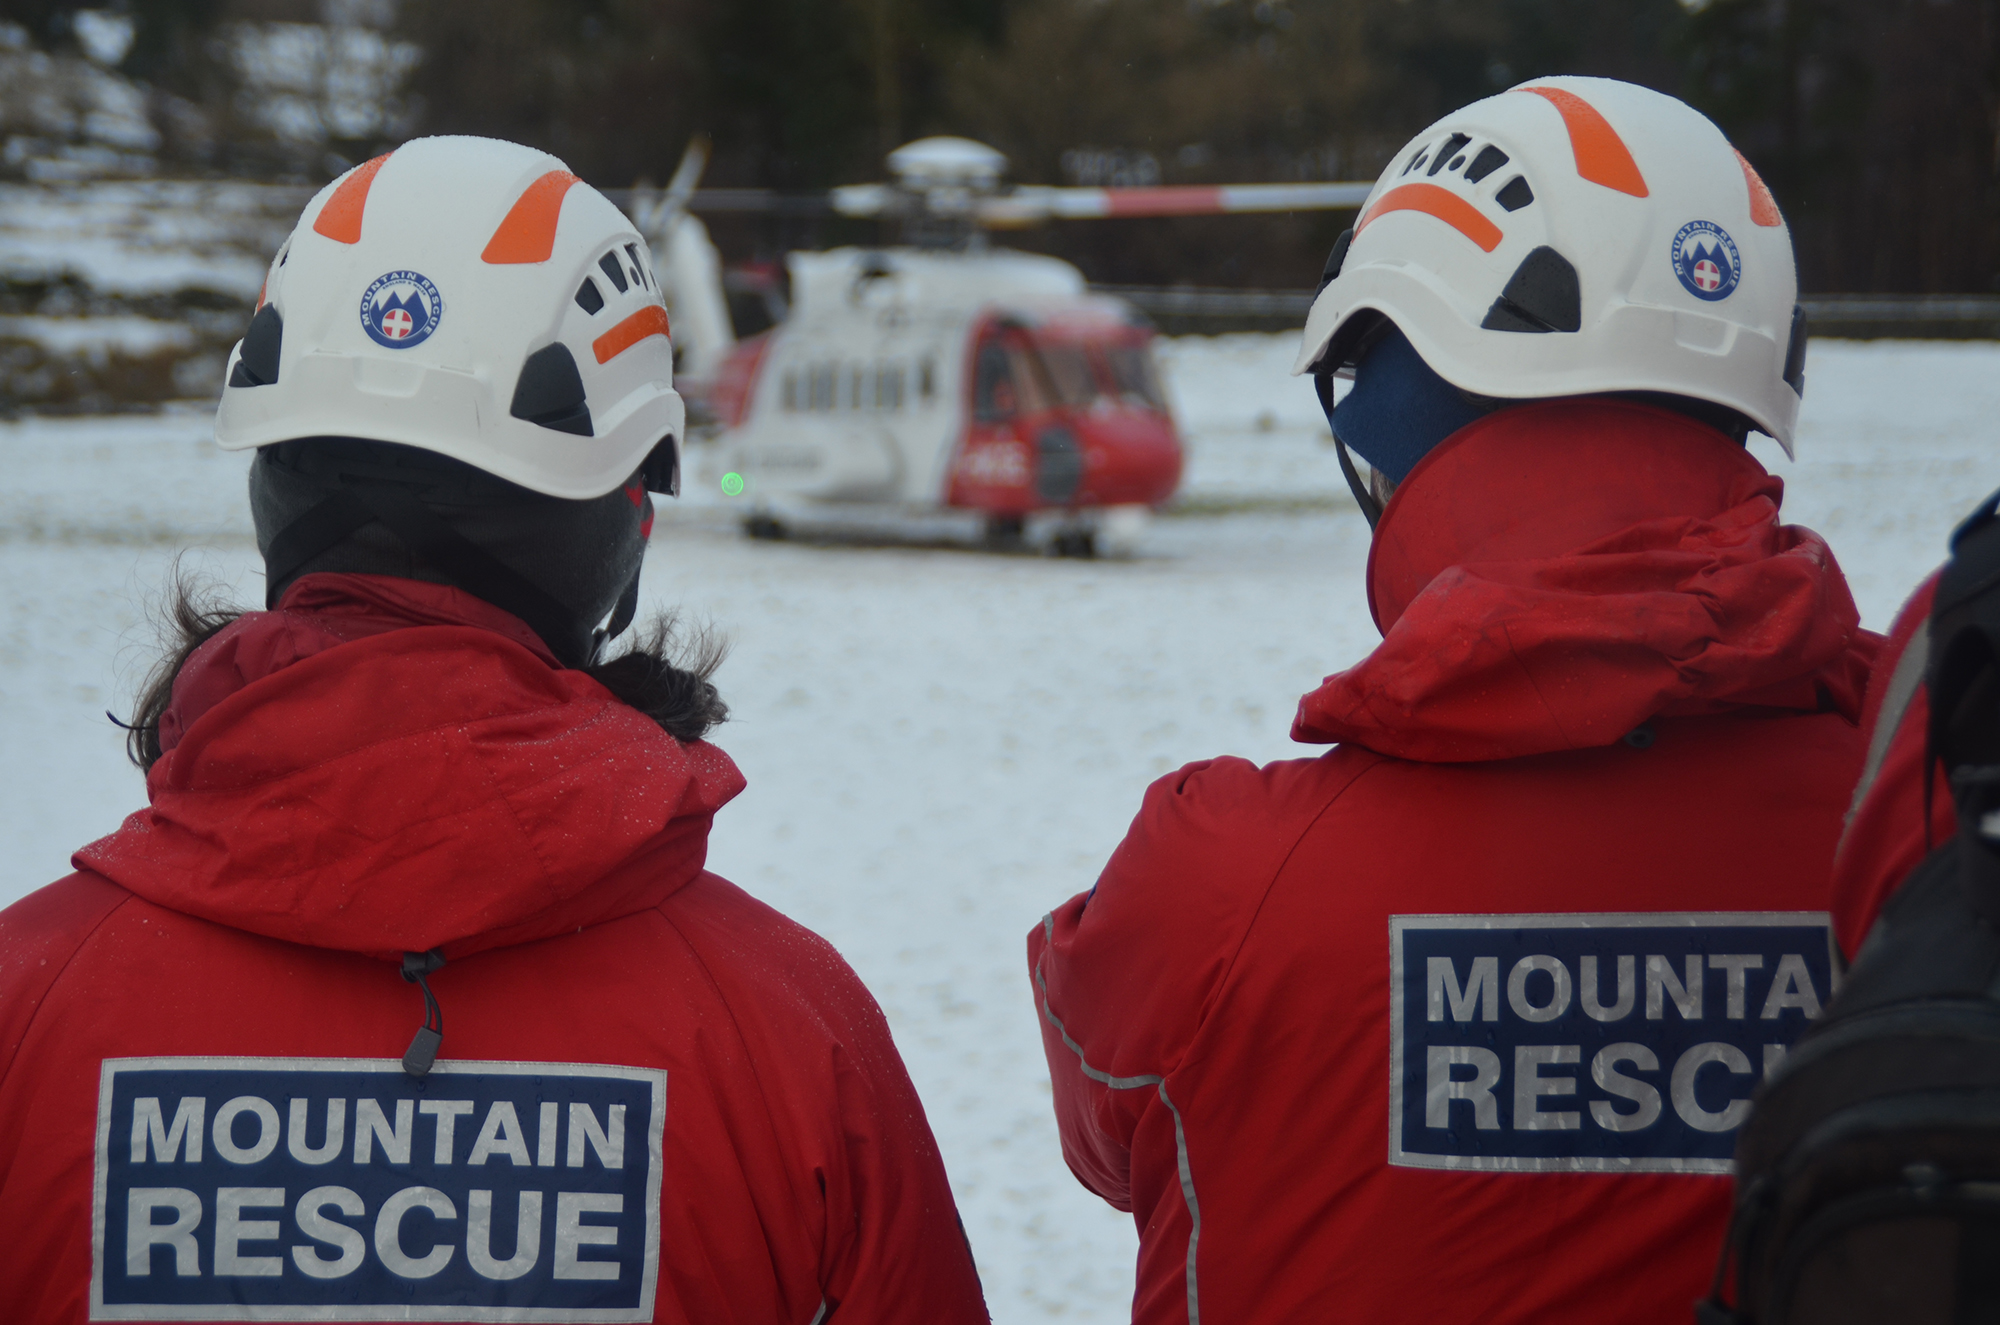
{"x":1075,"y":543}
{"x":1005,"y":531}
{"x":764,"y":527}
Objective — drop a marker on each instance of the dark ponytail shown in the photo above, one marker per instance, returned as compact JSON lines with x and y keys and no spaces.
{"x":195,"y":613}
{"x":666,"y":677}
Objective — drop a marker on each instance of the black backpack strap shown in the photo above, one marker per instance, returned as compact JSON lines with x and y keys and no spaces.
{"x":1963,"y":681}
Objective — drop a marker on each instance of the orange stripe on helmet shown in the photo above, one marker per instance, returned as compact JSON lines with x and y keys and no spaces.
{"x":1445,"y":205}
{"x":528,"y":232}
{"x":1763,"y":207}
{"x":648,"y":321}
{"x":1601,"y":155}
{"x":340,"y":219}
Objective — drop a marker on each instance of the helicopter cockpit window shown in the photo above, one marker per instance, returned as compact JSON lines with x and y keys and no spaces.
{"x":1007,"y":381}
{"x":1136,"y":378}
{"x":1069,"y":368}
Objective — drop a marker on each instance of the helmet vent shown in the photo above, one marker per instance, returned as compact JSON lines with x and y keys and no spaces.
{"x":1448,"y":151}
{"x":550,"y":392}
{"x":638,"y":267}
{"x":1542,"y":295}
{"x":615,"y":270}
{"x":587,"y":297}
{"x":1416,"y":161}
{"x":1490,"y":159}
{"x":1795,"y":353}
{"x":1336,"y":259}
{"x":257,"y":365}
{"x":1516,"y":195}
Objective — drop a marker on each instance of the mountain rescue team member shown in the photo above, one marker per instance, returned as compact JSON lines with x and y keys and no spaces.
{"x":1887,"y":835}
{"x":1459,"y":1019}
{"x":414,"y":794}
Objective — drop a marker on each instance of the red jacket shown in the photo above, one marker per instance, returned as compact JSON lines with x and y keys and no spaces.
{"x":1886,"y":836}
{"x":657,"y":1098}
{"x":1455,"y":1021}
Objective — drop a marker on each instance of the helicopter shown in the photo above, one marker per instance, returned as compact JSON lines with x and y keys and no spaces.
{"x":944,"y":387}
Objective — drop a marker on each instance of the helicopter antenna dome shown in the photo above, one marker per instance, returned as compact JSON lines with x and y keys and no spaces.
{"x":930,"y":162}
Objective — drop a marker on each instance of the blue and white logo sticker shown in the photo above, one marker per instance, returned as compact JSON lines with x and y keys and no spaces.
{"x":1706,"y":260}
{"x":401,"y":309}
{"x":344,"y":1189}
{"x":1613,"y":1043}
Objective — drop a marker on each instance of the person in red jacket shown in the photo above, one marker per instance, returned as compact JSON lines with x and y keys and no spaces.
{"x":1887,"y":835}
{"x":1458,"y":1020}
{"x":408,"y":997}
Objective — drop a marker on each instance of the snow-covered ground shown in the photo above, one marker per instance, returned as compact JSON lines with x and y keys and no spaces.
{"x":940,"y":745}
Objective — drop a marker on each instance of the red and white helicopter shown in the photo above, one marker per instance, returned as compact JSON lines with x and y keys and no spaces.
{"x":943,"y":387}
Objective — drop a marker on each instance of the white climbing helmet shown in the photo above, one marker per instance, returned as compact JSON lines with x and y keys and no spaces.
{"x":1573,"y":236}
{"x":474,"y":298}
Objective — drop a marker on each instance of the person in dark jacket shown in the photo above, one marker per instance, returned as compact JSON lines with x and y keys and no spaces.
{"x":1458,"y":1020}
{"x":408,"y":997}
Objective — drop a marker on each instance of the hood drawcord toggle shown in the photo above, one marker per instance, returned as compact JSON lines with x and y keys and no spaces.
{"x":424,"y":1045}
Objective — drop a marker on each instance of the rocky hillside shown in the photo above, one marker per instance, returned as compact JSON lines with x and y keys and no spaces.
{"x":120,"y":294}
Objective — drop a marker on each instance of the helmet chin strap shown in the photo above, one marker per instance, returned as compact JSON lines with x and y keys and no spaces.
{"x":621,"y":617}
{"x":1371,"y":509}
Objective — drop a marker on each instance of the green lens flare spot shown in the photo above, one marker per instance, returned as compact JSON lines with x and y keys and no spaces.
{"x":732,"y":485}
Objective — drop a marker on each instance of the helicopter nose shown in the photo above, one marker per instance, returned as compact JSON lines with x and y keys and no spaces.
{"x":1131,"y":460}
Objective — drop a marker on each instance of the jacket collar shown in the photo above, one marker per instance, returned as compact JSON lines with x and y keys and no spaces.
{"x":1555,"y":575}
{"x":1542,"y":480}
{"x":317,"y":613}
{"x":388,"y":766}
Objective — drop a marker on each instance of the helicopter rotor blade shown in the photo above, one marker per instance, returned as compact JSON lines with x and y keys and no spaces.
{"x":768,"y":202}
{"x":1030,"y":204}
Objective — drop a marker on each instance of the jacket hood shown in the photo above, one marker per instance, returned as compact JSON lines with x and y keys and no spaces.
{"x":1554,"y":575}
{"x":385,"y":766}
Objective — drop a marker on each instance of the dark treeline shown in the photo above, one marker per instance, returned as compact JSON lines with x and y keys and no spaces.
{"x":1874,"y":121}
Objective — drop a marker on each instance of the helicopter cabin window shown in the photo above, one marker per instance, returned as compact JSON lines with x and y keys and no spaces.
{"x":993,"y":393}
{"x":889,"y":386}
{"x":1133,"y":372}
{"x":819,"y":387}
{"x":789,"y":390}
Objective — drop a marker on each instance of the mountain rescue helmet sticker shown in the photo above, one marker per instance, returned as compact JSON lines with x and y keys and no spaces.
{"x":401,"y":309}
{"x":1706,"y":260}
{"x":344,"y":1189}
{"x":1592,"y":1042}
